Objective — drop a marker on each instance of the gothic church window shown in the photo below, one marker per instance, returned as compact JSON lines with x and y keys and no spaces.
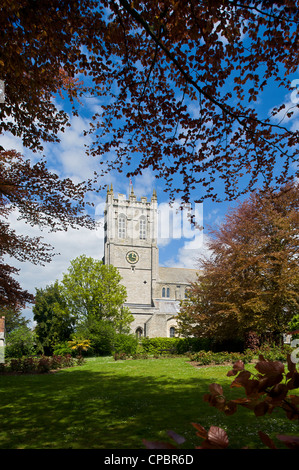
{"x":142,"y":228}
{"x":122,"y":226}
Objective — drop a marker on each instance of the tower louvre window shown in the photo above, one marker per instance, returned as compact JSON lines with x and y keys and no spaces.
{"x":122,"y":226}
{"x":142,"y":229}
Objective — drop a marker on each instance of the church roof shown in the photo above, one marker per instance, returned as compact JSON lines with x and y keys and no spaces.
{"x":177,"y":275}
{"x":167,"y":306}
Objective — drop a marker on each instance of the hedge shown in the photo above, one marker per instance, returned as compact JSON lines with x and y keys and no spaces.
{"x":173,"y":345}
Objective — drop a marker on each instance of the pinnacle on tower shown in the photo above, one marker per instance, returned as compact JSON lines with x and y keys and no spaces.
{"x":109,"y":191}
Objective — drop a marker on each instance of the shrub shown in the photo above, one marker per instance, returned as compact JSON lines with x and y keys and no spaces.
{"x":120,"y":356}
{"x":62,"y":349}
{"x":274,"y":353}
{"x":101,"y":335}
{"x":20,"y":342}
{"x":41,"y":365}
{"x":79,"y":345}
{"x":125,"y":343}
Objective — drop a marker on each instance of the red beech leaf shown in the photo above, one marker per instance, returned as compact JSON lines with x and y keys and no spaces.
{"x":201,"y":430}
{"x":266,"y":440}
{"x":217,"y":437}
{"x":239,"y":365}
{"x":242,"y":379}
{"x":261,"y":408}
{"x":270,"y":367}
{"x":207,"y":397}
{"x":230,"y":408}
{"x":216,"y":389}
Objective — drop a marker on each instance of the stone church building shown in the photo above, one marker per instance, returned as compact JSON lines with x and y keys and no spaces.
{"x":153,"y":292}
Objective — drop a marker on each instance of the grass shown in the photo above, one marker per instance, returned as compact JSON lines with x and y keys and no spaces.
{"x":107,"y":404}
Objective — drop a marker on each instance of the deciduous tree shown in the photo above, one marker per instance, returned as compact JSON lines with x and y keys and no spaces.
{"x":54,"y":323}
{"x":92,"y":291}
{"x":251,"y":281}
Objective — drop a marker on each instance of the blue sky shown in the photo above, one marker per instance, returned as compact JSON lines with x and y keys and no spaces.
{"x":68,"y":159}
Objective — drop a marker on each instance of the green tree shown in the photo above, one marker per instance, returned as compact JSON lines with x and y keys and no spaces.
{"x":54,"y":324}
{"x":92,"y":290}
{"x":251,"y":281}
{"x":101,"y":333}
{"x":20,"y":342}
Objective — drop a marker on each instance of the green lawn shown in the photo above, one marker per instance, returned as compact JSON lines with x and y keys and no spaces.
{"x":107,"y":404}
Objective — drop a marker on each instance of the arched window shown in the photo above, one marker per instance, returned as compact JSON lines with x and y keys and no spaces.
{"x":122,"y":226}
{"x":142,"y":228}
{"x":138,"y":332}
{"x":172,"y":332}
{"x":163,"y":291}
{"x":168,"y":292}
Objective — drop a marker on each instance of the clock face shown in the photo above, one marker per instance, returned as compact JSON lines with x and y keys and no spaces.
{"x":132,"y":257}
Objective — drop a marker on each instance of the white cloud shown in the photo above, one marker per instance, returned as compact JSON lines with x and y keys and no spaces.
{"x":69,"y":244}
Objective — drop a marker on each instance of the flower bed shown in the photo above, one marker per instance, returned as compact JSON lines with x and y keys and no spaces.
{"x":271,"y":353}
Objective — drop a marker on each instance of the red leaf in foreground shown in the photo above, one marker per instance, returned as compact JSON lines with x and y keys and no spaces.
{"x":266,"y":440}
{"x":216,"y":389}
{"x":217,"y":437}
{"x":201,"y":430}
{"x":261,"y":408}
{"x":270,"y":367}
{"x":239,"y":365}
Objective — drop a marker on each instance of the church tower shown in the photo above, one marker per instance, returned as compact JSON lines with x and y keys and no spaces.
{"x":153,"y":292}
{"x":131,"y":245}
